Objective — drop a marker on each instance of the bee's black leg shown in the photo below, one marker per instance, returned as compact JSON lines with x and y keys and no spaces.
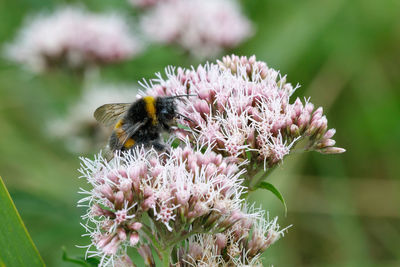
{"x":159,"y":146}
{"x":166,"y":127}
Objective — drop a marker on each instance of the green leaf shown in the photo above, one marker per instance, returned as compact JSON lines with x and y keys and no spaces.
{"x":275,"y":191}
{"x":175,"y":143}
{"x":93,"y":261}
{"x":184,"y":127}
{"x":16,"y":246}
{"x":89,"y":262}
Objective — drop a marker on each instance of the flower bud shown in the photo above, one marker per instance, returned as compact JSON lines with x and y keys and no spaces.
{"x":113,"y":177}
{"x":134,"y":239}
{"x":112,"y":247}
{"x":107,"y":192}
{"x":204,"y":108}
{"x":136,"y":226}
{"x":330,"y":133}
{"x":186,"y":152}
{"x":204,"y":93}
{"x":121,"y":234}
{"x":294,"y":130}
{"x":182,"y":197}
{"x":211,"y":170}
{"x":318,"y":113}
{"x":328,"y":142}
{"x":123,"y":173}
{"x":195,"y":251}
{"x":156,"y":171}
{"x":126,"y":186}
{"x":220,"y":241}
{"x":103,"y":241}
{"x":134,"y":173}
{"x":309,"y":107}
{"x":148,"y":203}
{"x":298,"y":107}
{"x":119,"y":199}
{"x":332,"y":150}
{"x":271,"y":238}
{"x":97,"y":210}
{"x":234,"y":217}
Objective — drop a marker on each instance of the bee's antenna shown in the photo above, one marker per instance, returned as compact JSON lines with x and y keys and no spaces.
{"x":178,"y":96}
{"x":184,"y":117}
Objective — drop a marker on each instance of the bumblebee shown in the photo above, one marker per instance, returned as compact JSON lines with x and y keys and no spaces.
{"x":140,"y":122}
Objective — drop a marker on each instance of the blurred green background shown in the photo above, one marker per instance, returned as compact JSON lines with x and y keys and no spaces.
{"x":346,"y":55}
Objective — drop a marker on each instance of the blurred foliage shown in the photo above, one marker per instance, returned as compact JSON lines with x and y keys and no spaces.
{"x":344,"y":208}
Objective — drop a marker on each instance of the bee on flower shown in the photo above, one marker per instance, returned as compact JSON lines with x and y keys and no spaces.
{"x":188,"y":203}
{"x":244,"y":110}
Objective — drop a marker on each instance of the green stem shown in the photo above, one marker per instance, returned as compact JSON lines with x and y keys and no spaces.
{"x":166,"y":256}
{"x":259,"y":177}
{"x":147,"y":230}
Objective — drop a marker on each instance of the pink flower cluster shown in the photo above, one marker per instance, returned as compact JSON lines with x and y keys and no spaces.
{"x":202,"y":27}
{"x":238,"y":121}
{"x":242,"y":107}
{"x":241,"y":245}
{"x":183,"y":193}
{"x":146,"y":3}
{"x":73,"y":37}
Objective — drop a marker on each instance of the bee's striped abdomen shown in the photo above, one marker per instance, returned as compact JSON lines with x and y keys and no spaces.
{"x":130,"y":143}
{"x":118,"y":129}
{"x":119,"y":124}
{"x":120,"y":136}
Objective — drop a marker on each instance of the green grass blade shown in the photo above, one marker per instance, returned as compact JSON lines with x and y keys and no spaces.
{"x":16,"y":246}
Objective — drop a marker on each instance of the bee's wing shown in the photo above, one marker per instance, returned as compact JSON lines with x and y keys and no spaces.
{"x":109,"y":114}
{"x":131,"y":130}
{"x":107,"y":153}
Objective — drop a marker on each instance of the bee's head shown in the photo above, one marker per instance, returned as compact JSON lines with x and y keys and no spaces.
{"x":166,"y":109}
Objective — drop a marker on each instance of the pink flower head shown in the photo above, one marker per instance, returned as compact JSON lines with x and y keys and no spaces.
{"x":179,"y":190}
{"x":240,"y":245}
{"x":238,"y":115}
{"x":146,"y":3}
{"x":74,"y":37}
{"x":202,"y":27}
{"x":243,"y":108}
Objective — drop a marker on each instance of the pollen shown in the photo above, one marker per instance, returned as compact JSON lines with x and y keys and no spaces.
{"x":151,"y":108}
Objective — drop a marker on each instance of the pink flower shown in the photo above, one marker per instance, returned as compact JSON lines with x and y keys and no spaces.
{"x":178,"y":191}
{"x":73,"y":37}
{"x":243,"y":108}
{"x":240,"y":121}
{"x":240,"y":245}
{"x":146,"y":3}
{"x":202,"y":27}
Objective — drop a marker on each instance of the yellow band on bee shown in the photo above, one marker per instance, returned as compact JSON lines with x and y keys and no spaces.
{"x":150,"y":107}
{"x":129,"y":143}
{"x":119,"y":124}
